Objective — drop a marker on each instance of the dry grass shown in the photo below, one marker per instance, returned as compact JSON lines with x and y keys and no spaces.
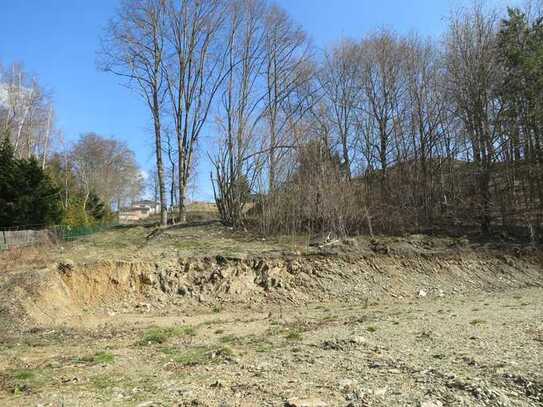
{"x":34,"y":256}
{"x":202,"y":207}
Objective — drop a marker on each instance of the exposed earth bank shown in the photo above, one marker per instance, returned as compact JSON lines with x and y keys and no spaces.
{"x":67,"y":290}
{"x":340,"y":326}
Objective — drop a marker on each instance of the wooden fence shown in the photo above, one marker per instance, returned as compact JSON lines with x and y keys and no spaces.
{"x":19,"y":238}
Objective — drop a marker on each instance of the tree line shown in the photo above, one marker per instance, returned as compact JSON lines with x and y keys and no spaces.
{"x":386,"y":133}
{"x":46,"y":180}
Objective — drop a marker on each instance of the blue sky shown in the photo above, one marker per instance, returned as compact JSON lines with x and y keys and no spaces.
{"x":57,"y":40}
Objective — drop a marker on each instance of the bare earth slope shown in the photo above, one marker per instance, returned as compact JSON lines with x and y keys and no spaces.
{"x":201,"y":316}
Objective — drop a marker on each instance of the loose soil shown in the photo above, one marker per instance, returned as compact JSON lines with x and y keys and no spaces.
{"x":203,"y":316}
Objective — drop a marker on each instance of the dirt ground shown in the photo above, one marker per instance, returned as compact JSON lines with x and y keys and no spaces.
{"x":201,"y":316}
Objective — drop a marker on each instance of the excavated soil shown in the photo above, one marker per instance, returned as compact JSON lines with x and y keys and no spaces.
{"x":63,"y":292}
{"x":340,"y":325}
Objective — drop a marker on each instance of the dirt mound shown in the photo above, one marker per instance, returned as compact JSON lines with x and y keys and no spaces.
{"x":53,"y":295}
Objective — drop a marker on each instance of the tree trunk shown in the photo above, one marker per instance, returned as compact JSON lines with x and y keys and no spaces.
{"x":159,"y":164}
{"x":182,"y":196}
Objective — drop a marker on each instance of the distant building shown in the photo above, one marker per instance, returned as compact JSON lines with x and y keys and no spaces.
{"x":154,"y":207}
{"x":138,"y":211}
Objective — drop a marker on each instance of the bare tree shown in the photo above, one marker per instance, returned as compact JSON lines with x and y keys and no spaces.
{"x":471,"y":73}
{"x":194,"y":72}
{"x":26,"y":113}
{"x":108,"y":168}
{"x":241,"y":110}
{"x":382,"y":84}
{"x":134,"y":48}
{"x":340,"y":82}
{"x":286,"y":68}
{"x":426,"y":106}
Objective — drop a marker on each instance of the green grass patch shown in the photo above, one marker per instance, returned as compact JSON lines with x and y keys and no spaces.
{"x":103,"y":382}
{"x":99,"y":358}
{"x":264,"y":347}
{"x":294,"y":336}
{"x":230,"y":339}
{"x":24,"y":380}
{"x":158,"y":335}
{"x":23,"y":374}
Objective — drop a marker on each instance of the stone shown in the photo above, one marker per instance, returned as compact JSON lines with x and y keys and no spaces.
{"x":422,"y":293}
{"x":347,"y":385}
{"x":359,"y":340}
{"x":148,"y":404}
{"x":313,"y":402}
{"x":65,"y":266}
{"x":431,"y":403}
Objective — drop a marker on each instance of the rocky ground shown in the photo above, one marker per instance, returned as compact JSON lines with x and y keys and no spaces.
{"x":484,"y":349}
{"x":404,"y":322}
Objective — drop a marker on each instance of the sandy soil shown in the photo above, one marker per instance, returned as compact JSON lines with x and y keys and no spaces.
{"x":170,"y":321}
{"x":484,"y":349}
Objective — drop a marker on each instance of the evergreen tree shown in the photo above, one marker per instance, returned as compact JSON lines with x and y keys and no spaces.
{"x":96,"y":209}
{"x":27,"y":195}
{"x":8,"y":177}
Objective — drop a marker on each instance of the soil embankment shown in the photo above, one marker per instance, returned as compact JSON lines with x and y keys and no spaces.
{"x":56,"y":294}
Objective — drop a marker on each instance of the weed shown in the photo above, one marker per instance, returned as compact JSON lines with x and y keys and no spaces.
{"x":294,"y":336}
{"x":23,"y":374}
{"x":230,"y":339}
{"x":273,"y":331}
{"x":157,"y":335}
{"x":104,"y":358}
{"x":103,"y":382}
{"x":214,"y":322}
{"x":24,"y":380}
{"x":219,"y":331}
{"x":216,"y":309}
{"x":264,"y":347}
{"x":371,"y":328}
{"x":199,"y":355}
{"x":477,"y":322}
{"x":101,"y":358}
